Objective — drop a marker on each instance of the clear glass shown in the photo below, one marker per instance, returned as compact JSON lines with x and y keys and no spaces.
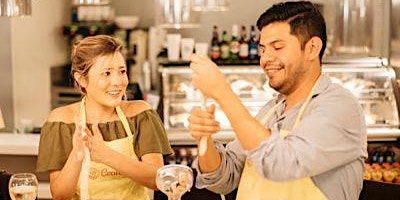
{"x":23,"y":186}
{"x":12,"y":8}
{"x":174,"y":180}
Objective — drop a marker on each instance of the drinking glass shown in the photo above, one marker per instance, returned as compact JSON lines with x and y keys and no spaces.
{"x":23,"y":186}
{"x":174,"y":180}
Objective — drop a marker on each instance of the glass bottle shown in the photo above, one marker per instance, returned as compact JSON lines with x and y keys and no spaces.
{"x":215,"y":48}
{"x":234,"y":44}
{"x":253,"y":44}
{"x":224,"y":45}
{"x":243,"y":44}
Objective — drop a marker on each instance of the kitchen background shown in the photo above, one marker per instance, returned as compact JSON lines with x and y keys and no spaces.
{"x":30,"y":46}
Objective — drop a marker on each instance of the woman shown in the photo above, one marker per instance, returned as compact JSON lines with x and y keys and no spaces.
{"x":125,"y":152}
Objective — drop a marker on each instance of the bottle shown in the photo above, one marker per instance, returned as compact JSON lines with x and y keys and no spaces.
{"x":215,"y":48}
{"x":224,"y":45}
{"x":243,"y":44}
{"x":253,"y":44}
{"x":234,"y":44}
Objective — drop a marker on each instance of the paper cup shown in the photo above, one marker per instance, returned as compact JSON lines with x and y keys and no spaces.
{"x":187,"y":45}
{"x":173,"y":44}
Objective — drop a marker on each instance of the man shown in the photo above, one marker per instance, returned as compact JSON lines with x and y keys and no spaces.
{"x":307,"y":143}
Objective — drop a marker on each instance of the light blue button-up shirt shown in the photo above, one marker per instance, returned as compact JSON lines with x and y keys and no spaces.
{"x":329,"y":145}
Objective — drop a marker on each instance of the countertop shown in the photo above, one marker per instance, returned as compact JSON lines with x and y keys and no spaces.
{"x":19,"y":144}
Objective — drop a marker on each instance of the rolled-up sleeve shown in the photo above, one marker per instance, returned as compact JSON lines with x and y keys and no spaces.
{"x":226,"y":178}
{"x":330,"y":135}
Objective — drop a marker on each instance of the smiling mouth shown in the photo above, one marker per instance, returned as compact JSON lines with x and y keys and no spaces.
{"x":114,"y":92}
{"x":273,"y":68}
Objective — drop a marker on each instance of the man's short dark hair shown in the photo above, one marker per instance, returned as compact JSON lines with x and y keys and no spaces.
{"x":304,"y":19}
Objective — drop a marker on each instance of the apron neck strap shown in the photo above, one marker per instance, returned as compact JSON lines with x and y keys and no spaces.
{"x":305,"y":104}
{"x":301,"y":111}
{"x":120,"y":114}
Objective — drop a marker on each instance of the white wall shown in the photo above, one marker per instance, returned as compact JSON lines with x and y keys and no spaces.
{"x":36,"y":45}
{"x":6,"y":100}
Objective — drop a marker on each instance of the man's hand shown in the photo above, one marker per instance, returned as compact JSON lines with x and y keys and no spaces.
{"x":203,"y":123}
{"x":207,"y":77}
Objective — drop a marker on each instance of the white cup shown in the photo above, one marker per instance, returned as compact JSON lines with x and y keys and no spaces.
{"x":201,"y":48}
{"x":173,"y":44}
{"x":187,"y":45}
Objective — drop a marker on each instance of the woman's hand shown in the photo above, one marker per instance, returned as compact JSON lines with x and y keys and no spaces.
{"x":78,"y":144}
{"x":207,"y":77}
{"x":96,"y":145}
{"x":203,"y":123}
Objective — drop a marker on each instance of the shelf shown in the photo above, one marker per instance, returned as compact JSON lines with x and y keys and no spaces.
{"x":89,"y":29}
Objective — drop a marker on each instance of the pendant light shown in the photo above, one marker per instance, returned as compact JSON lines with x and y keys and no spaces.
{"x":12,"y":8}
{"x":210,"y":5}
{"x":176,"y":14}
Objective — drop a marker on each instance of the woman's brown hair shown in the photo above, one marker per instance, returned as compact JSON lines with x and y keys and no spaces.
{"x":85,"y":51}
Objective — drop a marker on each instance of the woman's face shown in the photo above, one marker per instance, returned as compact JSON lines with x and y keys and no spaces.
{"x":107,"y":80}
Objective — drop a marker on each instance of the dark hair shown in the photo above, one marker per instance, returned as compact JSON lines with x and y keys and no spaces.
{"x":84,"y":53}
{"x":304,"y":19}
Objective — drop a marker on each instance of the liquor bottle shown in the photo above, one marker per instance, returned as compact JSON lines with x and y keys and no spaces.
{"x":243,"y":44}
{"x":253,"y":44}
{"x":234,"y":44}
{"x":224,"y":45}
{"x":215,"y":48}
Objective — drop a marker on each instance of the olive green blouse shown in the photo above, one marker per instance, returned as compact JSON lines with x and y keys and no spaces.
{"x":56,"y":138}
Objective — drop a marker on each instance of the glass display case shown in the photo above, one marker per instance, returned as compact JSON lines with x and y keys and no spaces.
{"x":371,"y":81}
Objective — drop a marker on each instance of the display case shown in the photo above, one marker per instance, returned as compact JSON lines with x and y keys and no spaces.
{"x":180,"y":97}
{"x":371,"y":81}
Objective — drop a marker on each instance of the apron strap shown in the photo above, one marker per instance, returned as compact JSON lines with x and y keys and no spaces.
{"x":120,"y":114}
{"x":305,"y":104}
{"x":84,"y":175}
{"x":82,"y":114}
{"x":124,"y":121}
{"x":264,"y":120}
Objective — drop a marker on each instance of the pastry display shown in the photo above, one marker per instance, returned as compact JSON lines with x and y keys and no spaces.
{"x":388,"y":173}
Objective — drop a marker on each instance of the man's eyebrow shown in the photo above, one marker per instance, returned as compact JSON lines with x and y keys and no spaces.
{"x":272,"y":42}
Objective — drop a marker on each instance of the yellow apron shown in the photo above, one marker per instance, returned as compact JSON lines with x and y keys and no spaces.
{"x":253,"y":186}
{"x":104,"y":181}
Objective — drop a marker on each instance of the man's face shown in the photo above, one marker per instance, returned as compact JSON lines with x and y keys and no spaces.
{"x":281,"y":57}
{"x":107,"y":80}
